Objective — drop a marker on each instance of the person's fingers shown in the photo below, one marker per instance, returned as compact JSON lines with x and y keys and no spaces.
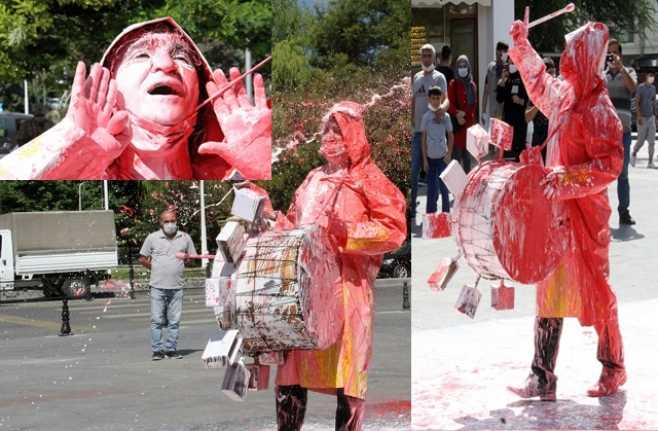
{"x":110,"y":100}
{"x":79,"y":80}
{"x":117,"y":123}
{"x":241,"y":91}
{"x":229,"y":95}
{"x":94,"y":76}
{"x":103,"y":87}
{"x":526,"y":15}
{"x":226,"y":102}
{"x":217,"y":103}
{"x":260,"y":98}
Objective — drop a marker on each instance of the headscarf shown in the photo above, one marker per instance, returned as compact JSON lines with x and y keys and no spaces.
{"x":462,"y":61}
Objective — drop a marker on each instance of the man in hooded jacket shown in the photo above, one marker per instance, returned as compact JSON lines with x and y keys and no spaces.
{"x":584,"y":156}
{"x":364,"y":215}
{"x":134,"y":117}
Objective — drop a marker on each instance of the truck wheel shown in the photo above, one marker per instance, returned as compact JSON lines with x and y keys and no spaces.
{"x":76,"y":288}
{"x":400,"y":270}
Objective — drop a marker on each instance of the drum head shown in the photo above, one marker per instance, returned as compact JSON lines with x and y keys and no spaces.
{"x":530,"y":237}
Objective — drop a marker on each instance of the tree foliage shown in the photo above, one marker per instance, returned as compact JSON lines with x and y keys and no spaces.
{"x":621,"y":17}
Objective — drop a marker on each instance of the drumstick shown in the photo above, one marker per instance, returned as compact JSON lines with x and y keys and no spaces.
{"x":568,"y":8}
{"x":231,"y":84}
{"x":182,"y":256}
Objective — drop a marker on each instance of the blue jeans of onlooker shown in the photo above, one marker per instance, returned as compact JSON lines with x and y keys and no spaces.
{"x":623,"y":187}
{"x":416,"y":165}
{"x":166,"y":310}
{"x":434,"y":185}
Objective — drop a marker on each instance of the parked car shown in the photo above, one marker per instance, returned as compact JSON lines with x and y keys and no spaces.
{"x":397,"y":264}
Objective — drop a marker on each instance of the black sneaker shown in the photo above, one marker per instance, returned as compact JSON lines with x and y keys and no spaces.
{"x":625,"y":218}
{"x":157,"y":356}
{"x":173,"y":354}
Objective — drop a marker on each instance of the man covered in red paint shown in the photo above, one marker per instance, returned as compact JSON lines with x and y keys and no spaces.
{"x":134,"y":116}
{"x":584,"y":155}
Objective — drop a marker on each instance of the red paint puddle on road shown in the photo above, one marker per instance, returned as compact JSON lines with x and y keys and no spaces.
{"x":393,"y":407}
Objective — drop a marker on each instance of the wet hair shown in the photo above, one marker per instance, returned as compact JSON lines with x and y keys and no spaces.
{"x":502,"y":46}
{"x":445,"y":52}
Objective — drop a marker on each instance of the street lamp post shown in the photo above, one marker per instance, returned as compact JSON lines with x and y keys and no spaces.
{"x":204,"y":239}
{"x":80,"y":195}
{"x":106,"y":197}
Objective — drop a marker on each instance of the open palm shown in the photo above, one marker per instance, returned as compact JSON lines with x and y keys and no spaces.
{"x":247,"y":126}
{"x":93,"y":99}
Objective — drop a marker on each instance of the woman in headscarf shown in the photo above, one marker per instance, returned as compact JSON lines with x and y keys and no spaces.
{"x":462,"y":93}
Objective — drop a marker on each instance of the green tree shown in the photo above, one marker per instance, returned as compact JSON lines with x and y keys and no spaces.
{"x":621,"y":16}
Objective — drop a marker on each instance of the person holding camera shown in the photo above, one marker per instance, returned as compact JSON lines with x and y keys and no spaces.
{"x":512,"y":94}
{"x":622,"y":82}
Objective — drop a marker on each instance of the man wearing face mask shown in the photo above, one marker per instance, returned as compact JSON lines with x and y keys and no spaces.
{"x":158,"y":254}
{"x":621,"y":81}
{"x":512,"y":94}
{"x":364,"y":215}
{"x":134,"y":116}
{"x":422,"y":82}
{"x":646,"y":117}
{"x":490,"y":106}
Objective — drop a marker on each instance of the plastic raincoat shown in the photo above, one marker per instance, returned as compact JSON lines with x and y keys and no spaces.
{"x":584,"y":155}
{"x":67,"y":152}
{"x":365,"y":214}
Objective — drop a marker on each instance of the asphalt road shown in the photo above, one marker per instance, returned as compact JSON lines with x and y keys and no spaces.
{"x":103,"y":379}
{"x":461,"y":366}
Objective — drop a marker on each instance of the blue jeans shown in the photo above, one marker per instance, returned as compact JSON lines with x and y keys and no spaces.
{"x":436,"y":166}
{"x":416,"y":165}
{"x":623,"y":187}
{"x":166,"y":310}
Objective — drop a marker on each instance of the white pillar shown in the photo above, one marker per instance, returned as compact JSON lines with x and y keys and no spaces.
{"x":26,"y":99}
{"x":502,"y":14}
{"x":204,"y":238}
{"x":106,"y":197}
{"x":249,"y":79}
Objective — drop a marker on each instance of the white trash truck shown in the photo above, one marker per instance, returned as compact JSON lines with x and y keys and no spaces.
{"x":58,"y":252}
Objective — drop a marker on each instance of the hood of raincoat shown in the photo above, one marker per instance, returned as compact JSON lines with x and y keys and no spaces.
{"x":349,"y":116}
{"x":582,"y":61}
{"x":207,"y":128}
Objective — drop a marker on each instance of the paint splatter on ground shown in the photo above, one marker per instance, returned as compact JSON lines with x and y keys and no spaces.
{"x":460,"y":382}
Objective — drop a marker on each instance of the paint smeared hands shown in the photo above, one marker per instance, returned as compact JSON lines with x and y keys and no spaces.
{"x":247,"y":127}
{"x":519,"y":29}
{"x":93,"y":100}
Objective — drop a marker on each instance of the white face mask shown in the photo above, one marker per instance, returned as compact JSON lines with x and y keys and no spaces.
{"x":169,"y":228}
{"x":512,"y":68}
{"x":429,"y":68}
{"x":650,"y":79}
{"x":462,"y":72}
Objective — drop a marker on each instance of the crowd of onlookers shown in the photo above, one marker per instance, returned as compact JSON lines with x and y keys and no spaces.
{"x":445,"y":105}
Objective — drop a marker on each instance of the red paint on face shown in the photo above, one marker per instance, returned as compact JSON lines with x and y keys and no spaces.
{"x":158,"y":80}
{"x":333,"y":148}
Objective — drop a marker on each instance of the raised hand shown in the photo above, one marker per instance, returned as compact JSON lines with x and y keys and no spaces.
{"x":93,"y":99}
{"x":247,"y":127}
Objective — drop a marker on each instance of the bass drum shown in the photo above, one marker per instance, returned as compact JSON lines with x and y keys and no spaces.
{"x":504,"y":225}
{"x":286,"y":292}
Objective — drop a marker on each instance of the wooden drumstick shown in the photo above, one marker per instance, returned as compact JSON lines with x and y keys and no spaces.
{"x":568,"y":8}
